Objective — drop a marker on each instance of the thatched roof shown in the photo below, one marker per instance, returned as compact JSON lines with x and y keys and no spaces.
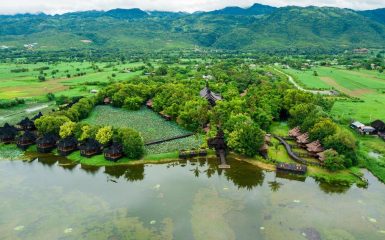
{"x":303,"y":139}
{"x":48,"y":139}
{"x":295,"y":132}
{"x":90,"y":144}
{"x":27,"y":123}
{"x":27,"y":137}
{"x":37,"y":116}
{"x":67,"y":142}
{"x":116,"y":148}
{"x":212,"y":97}
{"x":315,"y":147}
{"x":8,"y":129}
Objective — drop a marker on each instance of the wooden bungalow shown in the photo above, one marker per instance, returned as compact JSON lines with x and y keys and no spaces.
{"x":114,"y":152}
{"x":149,"y":104}
{"x":379,"y":126}
{"x":210,"y":96}
{"x":67,"y":146}
{"x":303,"y":139}
{"x":314,"y":147}
{"x":321,"y":156}
{"x":292,"y":168}
{"x":295,"y":132}
{"x":107,"y":101}
{"x":26,"y":140}
{"x":7,"y":134}
{"x":47,"y":143}
{"x":165,"y":116}
{"x":90,"y":147}
{"x":26,"y":125}
{"x":37,"y":116}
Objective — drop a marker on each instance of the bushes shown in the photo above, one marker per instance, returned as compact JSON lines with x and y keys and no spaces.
{"x":132,"y":141}
{"x":11,"y":103}
{"x":334,"y":161}
{"x":50,"y":124}
{"x":133,"y":103}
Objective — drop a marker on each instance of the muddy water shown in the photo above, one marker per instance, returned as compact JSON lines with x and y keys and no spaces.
{"x":50,"y":198}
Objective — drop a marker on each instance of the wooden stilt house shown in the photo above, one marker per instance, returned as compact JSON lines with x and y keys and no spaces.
{"x":7,"y":134}
{"x":26,"y":140}
{"x":114,"y":152}
{"x":47,"y":143}
{"x":26,"y":125}
{"x":67,"y":146}
{"x":90,"y":147}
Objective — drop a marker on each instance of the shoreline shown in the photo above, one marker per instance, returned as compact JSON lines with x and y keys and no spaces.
{"x":345,"y":177}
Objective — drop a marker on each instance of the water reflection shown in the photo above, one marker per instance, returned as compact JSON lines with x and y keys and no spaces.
{"x":242,"y":174}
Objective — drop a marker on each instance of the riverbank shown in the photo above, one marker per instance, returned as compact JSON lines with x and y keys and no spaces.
{"x":346,"y":177}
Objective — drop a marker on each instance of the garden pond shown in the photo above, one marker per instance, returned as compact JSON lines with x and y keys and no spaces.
{"x":52,"y":198}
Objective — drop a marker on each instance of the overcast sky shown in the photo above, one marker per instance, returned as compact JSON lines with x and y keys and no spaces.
{"x":62,"y":6}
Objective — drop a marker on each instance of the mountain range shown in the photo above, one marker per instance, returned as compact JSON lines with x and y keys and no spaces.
{"x":259,"y":27}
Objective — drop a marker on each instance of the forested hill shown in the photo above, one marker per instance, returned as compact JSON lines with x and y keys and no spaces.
{"x":259,"y":27}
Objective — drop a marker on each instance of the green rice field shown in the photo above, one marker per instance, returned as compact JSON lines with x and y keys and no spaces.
{"x":366,"y":87}
{"x":26,"y":84}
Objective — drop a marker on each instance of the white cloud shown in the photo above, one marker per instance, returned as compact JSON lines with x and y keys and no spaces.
{"x":62,"y":6}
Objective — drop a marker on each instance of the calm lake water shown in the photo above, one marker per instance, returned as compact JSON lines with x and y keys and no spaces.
{"x":51,"y":199}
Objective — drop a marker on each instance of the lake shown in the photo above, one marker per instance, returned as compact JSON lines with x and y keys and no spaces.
{"x":50,"y":198}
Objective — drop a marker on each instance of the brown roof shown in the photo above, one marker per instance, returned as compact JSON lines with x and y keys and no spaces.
{"x":321,"y":156}
{"x":303,"y":138}
{"x":149,"y":103}
{"x":314,"y":147}
{"x":295,"y":132}
{"x":267,"y":138}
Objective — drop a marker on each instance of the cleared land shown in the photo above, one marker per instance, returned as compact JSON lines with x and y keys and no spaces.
{"x":61,"y":78}
{"x":368,"y":86}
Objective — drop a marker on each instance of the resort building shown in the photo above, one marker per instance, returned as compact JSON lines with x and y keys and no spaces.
{"x":210,"y":96}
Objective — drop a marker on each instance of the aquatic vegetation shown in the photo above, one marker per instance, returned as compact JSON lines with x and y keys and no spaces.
{"x":148,"y":123}
{"x":10,"y":152}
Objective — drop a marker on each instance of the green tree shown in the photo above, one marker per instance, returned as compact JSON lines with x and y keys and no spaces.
{"x":334,"y":161}
{"x":322,"y":129}
{"x":50,"y":124}
{"x":86,"y":132}
{"x":67,"y":129}
{"x":194,"y":115}
{"x":247,"y":139}
{"x":133,"y":103}
{"x":104,"y":135}
{"x":132,"y":141}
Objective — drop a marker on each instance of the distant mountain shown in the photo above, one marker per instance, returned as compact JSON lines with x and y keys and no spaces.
{"x":256,"y":9}
{"x":376,"y":15}
{"x":127,"y":13}
{"x":259,"y":28}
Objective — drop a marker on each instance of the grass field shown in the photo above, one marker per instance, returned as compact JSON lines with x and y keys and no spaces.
{"x":368,"y":86}
{"x":16,"y":114}
{"x":27,"y":84}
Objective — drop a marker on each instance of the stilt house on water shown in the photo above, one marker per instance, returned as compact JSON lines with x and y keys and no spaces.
{"x":114,"y":153}
{"x":90,"y":147}
{"x":67,"y":146}
{"x":26,"y":140}
{"x":47,"y":143}
{"x":7,"y":134}
{"x":26,"y":125}
{"x":219,"y":144}
{"x":211,"y":97}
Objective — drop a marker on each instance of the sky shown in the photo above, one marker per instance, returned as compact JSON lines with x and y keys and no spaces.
{"x":63,"y":6}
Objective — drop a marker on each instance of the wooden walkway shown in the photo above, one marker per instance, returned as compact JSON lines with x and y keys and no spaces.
{"x":168,"y":139}
{"x":293,"y":155}
{"x":222,"y":157}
